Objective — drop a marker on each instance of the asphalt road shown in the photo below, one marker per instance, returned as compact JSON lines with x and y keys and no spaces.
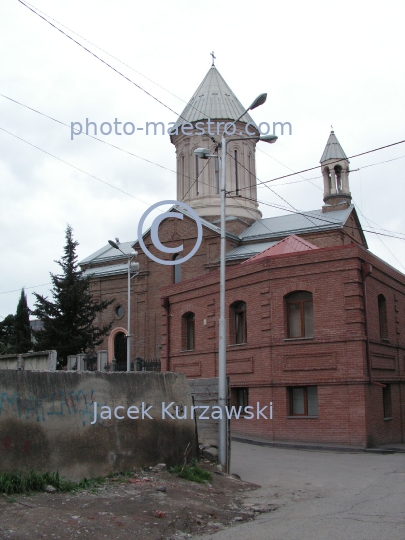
{"x":321,"y":495}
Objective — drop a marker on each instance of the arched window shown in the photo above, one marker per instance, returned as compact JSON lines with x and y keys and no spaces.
{"x":338,"y":172}
{"x":327,"y":176}
{"x":300,"y":315}
{"x":238,"y":326}
{"x":189,"y":331}
{"x":382,"y":315}
{"x":120,"y":351}
{"x":183,"y":175}
{"x":176,"y":269}
{"x":236,"y":173}
{"x":197,"y":173}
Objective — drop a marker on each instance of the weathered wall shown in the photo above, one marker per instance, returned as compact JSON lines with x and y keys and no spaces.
{"x":46,"y":421}
{"x":36,"y":361}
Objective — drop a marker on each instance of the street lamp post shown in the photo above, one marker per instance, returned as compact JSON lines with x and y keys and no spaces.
{"x":135,"y":268}
{"x":203,"y":153}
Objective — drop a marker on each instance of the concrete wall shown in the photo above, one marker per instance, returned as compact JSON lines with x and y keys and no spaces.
{"x":36,"y":361}
{"x":46,"y":421}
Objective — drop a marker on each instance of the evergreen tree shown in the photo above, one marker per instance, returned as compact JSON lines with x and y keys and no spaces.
{"x":68,"y":319}
{"x":22,"y":328}
{"x":7,"y":335}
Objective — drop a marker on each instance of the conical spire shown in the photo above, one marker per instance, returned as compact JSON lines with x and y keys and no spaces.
{"x":333,"y":150}
{"x":212,"y":106}
{"x":213,"y":99}
{"x":335,"y":172}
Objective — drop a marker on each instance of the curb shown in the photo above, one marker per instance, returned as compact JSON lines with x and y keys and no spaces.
{"x":318,"y":447}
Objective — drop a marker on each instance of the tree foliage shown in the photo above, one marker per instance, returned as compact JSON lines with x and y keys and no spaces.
{"x":22,"y":327}
{"x":68,"y":319}
{"x":7,"y":335}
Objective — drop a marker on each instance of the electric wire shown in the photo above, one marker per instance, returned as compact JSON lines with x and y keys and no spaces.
{"x":32,"y":287}
{"x":163,"y":104}
{"x":107,"y":64}
{"x":265,"y":203}
{"x":139,"y":157}
{"x":94,"y":137}
{"x":100,"y":59}
{"x":318,"y":166}
{"x":106,"y":52}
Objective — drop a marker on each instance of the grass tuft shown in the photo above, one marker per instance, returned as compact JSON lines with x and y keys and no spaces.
{"x":12,"y":483}
{"x":192,"y":472}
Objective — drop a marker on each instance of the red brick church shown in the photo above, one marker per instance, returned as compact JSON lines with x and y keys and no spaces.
{"x":315,"y":321}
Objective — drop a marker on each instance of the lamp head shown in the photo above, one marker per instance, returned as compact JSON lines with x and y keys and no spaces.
{"x":258,"y":101}
{"x":113,"y":244}
{"x":271,"y":139}
{"x":202,"y":153}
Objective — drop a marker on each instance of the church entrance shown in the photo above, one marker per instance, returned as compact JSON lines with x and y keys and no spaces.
{"x":120,"y":351}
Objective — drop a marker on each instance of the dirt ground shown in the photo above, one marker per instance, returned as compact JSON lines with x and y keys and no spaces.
{"x":149,"y":505}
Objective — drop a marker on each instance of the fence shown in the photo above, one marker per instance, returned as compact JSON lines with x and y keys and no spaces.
{"x":99,"y":362}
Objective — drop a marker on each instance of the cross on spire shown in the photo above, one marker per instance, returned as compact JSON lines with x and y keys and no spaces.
{"x":213,"y":58}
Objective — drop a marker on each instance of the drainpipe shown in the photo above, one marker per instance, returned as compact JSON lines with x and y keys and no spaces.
{"x":165,"y":303}
{"x":366,"y":270}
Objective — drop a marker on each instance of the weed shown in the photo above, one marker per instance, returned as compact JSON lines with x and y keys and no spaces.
{"x":192,"y":472}
{"x":17,"y":483}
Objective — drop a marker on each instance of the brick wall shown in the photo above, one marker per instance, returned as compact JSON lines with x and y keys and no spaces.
{"x":334,"y":359}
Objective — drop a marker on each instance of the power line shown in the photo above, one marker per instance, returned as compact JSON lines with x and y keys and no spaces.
{"x":100,"y":59}
{"x":130,"y":194}
{"x":261,"y":183}
{"x":73,"y":166}
{"x":318,"y":218}
{"x":317,"y":177}
{"x":88,"y":135}
{"x":106,"y":52}
{"x":107,"y":64}
{"x":93,"y":137}
{"x":318,"y":166}
{"x":380,"y":239}
{"x":33,"y":287}
{"x":166,"y":106}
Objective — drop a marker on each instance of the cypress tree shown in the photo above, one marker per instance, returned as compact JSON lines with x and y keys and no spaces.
{"x":22,"y":328}
{"x":68,"y":318}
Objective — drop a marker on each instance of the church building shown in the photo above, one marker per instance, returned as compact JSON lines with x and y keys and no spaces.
{"x":315,"y":321}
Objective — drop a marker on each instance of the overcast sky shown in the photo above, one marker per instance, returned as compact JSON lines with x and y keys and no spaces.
{"x":339,"y":63}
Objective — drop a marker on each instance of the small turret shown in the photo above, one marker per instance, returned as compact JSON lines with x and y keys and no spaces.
{"x":335,"y":172}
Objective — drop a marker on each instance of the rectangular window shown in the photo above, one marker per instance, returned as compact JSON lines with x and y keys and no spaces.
{"x":240,"y":397}
{"x":303,"y":401}
{"x":387,"y":403}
